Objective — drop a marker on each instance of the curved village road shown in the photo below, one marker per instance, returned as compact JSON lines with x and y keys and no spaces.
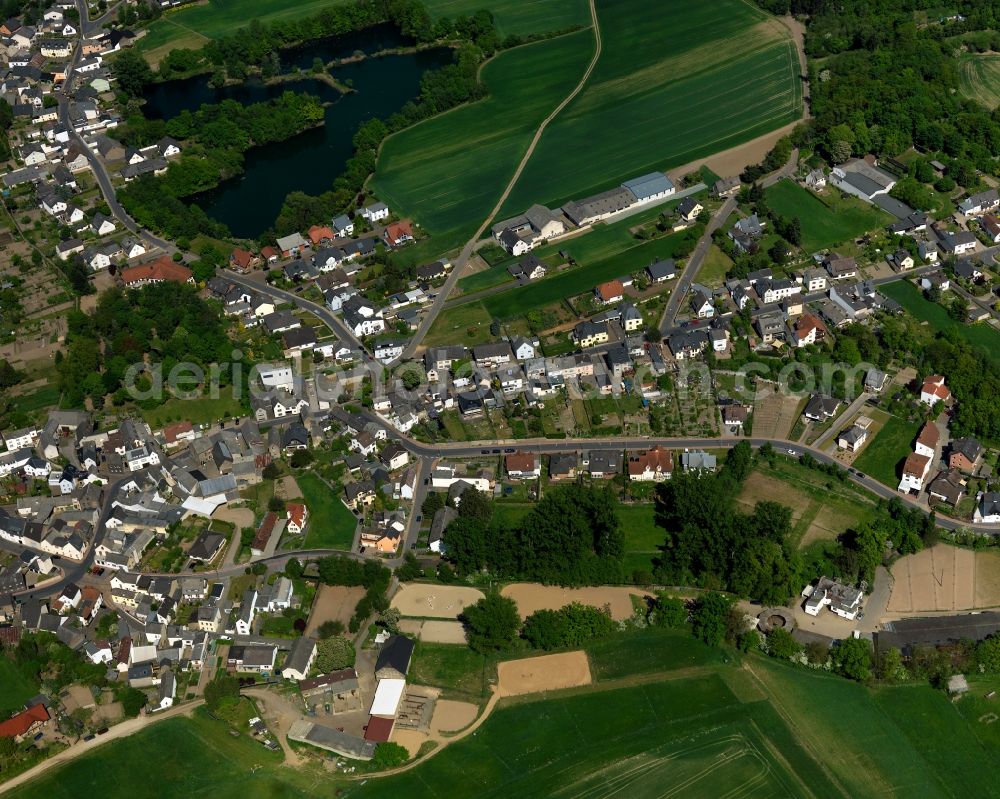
{"x":325,"y":315}
{"x":449,"y":284}
{"x":544,"y":445}
{"x":96,"y":165}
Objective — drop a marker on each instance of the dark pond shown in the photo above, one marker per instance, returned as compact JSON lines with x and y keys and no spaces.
{"x":311,"y":161}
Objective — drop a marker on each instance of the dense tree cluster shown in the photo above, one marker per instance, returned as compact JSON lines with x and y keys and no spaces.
{"x":710,"y":543}
{"x":492,"y":623}
{"x":571,"y":537}
{"x":886,"y":83}
{"x":166,"y":322}
{"x":572,"y":625}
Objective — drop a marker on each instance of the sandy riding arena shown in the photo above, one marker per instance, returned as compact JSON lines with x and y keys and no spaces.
{"x":545,"y":673}
{"x":452,"y":716}
{"x":532,"y":596}
{"x":434,"y":601}
{"x":333,"y":602}
{"x":945,"y":578}
{"x":435,"y":632}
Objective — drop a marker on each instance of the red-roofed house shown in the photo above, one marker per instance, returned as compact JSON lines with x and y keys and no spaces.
{"x":263,"y":535}
{"x":297,"y":515}
{"x":927,"y":441}
{"x":270,"y":254}
{"x":914,"y":473}
{"x":522,"y":465}
{"x":808,"y":329}
{"x":398,"y":233}
{"x":158,"y":271}
{"x":654,"y":465}
{"x":321,"y":233}
{"x":612,"y":291}
{"x":934,"y":390}
{"x":24,"y":723}
{"x":178,"y":432}
{"x":242,"y":260}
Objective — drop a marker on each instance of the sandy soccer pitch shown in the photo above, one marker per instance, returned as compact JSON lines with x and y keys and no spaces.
{"x":434,"y":601}
{"x":545,"y":673}
{"x":532,"y":596}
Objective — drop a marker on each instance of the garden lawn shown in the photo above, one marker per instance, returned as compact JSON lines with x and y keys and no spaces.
{"x":981,"y":336}
{"x":203,"y":410}
{"x":518,"y":17}
{"x":825,"y":222}
{"x":579,"y":280}
{"x":460,"y":672}
{"x":882,"y":456}
{"x":643,"y":537}
{"x":331,"y":524}
{"x":15,"y":689}
{"x":449,"y":171}
{"x":669,"y":87}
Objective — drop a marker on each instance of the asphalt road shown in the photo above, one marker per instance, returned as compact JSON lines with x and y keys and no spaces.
{"x":325,"y":315}
{"x":96,"y":165}
{"x":690,"y":271}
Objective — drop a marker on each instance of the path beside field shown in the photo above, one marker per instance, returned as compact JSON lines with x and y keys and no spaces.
{"x":127,"y":727}
{"x":467,"y":250}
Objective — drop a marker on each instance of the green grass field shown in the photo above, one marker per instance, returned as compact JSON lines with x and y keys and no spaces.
{"x":824,"y":226}
{"x":882,"y":456}
{"x":15,"y":690}
{"x":981,"y":336}
{"x":194,"y":25}
{"x":907,"y":740}
{"x":467,"y":324}
{"x":979,"y":78}
{"x":671,"y":87}
{"x":449,"y":171}
{"x":693,"y":735}
{"x":203,"y":410}
{"x":520,"y":300}
{"x":331,"y":523}
{"x":456,"y":669}
{"x":518,"y":17}
{"x":178,"y":757}
{"x":642,"y":537}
